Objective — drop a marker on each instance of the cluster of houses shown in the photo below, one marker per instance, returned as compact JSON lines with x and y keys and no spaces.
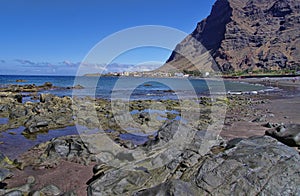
{"x":152,"y":74}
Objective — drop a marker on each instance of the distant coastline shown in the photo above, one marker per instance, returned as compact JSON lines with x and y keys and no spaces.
{"x":171,"y":75}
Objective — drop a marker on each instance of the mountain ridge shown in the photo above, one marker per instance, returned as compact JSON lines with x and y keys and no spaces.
{"x":242,"y":36}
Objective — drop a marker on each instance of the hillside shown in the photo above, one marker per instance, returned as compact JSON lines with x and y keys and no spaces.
{"x":242,"y":35}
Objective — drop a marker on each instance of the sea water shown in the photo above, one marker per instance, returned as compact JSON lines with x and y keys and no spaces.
{"x":133,"y":87}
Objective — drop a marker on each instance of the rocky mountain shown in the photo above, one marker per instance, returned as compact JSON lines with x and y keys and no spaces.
{"x":242,"y":35}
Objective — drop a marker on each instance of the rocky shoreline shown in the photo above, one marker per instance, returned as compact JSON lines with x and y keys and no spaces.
{"x":239,"y":162}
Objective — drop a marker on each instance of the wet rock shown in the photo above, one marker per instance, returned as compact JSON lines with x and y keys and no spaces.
{"x":78,"y":86}
{"x":42,"y":98}
{"x":36,"y":124}
{"x":20,"y":80}
{"x":288,"y":134}
{"x":47,"y":84}
{"x":19,"y":98}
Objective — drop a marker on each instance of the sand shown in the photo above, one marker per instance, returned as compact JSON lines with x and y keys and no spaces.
{"x":282,"y":106}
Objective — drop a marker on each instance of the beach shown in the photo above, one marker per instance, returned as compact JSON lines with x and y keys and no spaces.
{"x":247,"y":115}
{"x":280,"y":107}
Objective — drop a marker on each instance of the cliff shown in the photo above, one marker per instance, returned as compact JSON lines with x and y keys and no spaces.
{"x":242,"y":35}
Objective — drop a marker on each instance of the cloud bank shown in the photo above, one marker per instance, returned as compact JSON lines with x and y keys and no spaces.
{"x":66,"y":67}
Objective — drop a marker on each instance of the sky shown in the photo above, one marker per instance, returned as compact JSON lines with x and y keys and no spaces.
{"x":54,"y":36}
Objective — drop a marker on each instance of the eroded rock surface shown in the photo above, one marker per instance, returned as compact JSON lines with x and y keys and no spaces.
{"x":258,"y":165}
{"x":242,"y":35}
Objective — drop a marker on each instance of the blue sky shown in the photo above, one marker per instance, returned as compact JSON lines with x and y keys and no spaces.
{"x":42,"y":37}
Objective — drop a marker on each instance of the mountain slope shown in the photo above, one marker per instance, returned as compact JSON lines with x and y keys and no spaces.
{"x":242,"y":35}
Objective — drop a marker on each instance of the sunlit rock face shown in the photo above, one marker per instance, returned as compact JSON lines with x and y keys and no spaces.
{"x":244,"y":35}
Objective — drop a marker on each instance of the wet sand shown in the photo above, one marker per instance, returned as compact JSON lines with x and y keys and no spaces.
{"x":282,"y":106}
{"x":68,"y":176}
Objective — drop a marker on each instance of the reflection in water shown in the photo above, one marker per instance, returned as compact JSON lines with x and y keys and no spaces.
{"x":3,"y":121}
{"x":13,"y":143}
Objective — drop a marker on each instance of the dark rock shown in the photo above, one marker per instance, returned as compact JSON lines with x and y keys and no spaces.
{"x":46,"y":97}
{"x":47,"y":84}
{"x":173,"y":187}
{"x":35,"y":124}
{"x":271,"y":125}
{"x":17,"y":111}
{"x":165,"y":133}
{"x":170,"y":162}
{"x":20,"y":80}
{"x":232,"y":143}
{"x":256,"y":166}
{"x":280,"y":9}
{"x":42,"y":98}
{"x":35,"y":193}
{"x":287,"y":134}
{"x":69,"y":147}
{"x":19,"y":98}
{"x":41,"y":124}
{"x":78,"y":86}
{"x":117,"y":182}
{"x":169,"y":91}
{"x":14,"y":193}
{"x":3,"y":108}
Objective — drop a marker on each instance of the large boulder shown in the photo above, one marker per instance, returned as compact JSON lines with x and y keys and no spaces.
{"x":255,"y":166}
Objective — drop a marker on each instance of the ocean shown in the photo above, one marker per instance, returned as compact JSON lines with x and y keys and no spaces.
{"x":134,"y":87}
